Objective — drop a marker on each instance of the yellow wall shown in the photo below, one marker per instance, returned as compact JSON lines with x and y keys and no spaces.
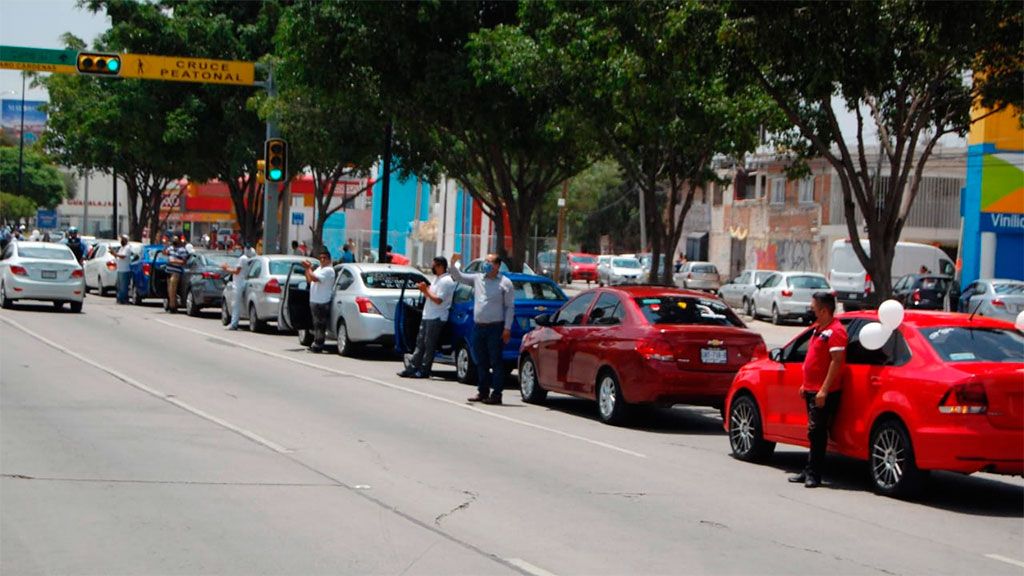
{"x":1002,"y":129}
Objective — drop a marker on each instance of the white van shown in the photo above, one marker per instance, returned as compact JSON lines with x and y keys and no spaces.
{"x":853,"y":284}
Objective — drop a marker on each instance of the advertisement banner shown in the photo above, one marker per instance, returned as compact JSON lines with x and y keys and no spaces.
{"x":35,"y":119}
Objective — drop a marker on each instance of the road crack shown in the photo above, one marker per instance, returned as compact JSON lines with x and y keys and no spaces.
{"x":463,"y":506}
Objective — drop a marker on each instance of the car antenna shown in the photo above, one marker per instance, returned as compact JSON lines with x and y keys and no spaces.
{"x":975,"y":311}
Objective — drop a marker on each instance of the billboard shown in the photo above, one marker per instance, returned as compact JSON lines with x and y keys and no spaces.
{"x":11,"y":120}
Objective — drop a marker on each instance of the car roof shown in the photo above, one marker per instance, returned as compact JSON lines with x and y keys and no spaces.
{"x":284,"y":257}
{"x":378,"y":267}
{"x":33,"y":244}
{"x":934,"y":319}
{"x":641,"y":291}
{"x":522,"y":277}
{"x":789,"y":273}
{"x":1000,"y":280}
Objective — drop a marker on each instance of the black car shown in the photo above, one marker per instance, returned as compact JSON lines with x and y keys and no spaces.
{"x":202,"y":282}
{"x":922,"y":291}
{"x":546,"y":266}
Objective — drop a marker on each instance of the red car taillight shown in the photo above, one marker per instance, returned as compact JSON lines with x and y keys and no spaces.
{"x":272,"y":287}
{"x":998,"y":302}
{"x":145,"y":269}
{"x":760,"y":352}
{"x":916,"y":295}
{"x":787,"y":293}
{"x":19,"y":271}
{"x":964,"y":399}
{"x":655,"y":350}
{"x":689,"y":275}
{"x":867,"y":283}
{"x":111,"y":265}
{"x":77,"y":274}
{"x":214,"y":276}
{"x":366,"y":306}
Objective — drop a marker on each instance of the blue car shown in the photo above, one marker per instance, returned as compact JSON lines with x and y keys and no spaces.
{"x":149,"y":278}
{"x":535,"y":295}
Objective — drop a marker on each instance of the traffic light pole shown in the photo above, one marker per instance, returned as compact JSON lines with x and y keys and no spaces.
{"x":271,"y":189}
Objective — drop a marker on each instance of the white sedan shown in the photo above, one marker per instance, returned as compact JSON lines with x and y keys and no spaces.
{"x":41,"y":271}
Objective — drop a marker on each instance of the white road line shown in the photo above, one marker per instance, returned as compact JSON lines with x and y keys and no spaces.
{"x":420,"y":393}
{"x":1005,"y":559}
{"x":527,"y":567}
{"x":154,"y":392}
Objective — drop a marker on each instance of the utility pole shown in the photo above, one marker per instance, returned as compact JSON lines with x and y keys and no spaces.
{"x":385,"y":190}
{"x":270,"y":189}
{"x":116,"y":223}
{"x":643,"y":224}
{"x":21,"y":144}
{"x":561,"y":227}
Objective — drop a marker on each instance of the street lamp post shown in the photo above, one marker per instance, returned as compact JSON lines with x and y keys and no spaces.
{"x":21,"y":144}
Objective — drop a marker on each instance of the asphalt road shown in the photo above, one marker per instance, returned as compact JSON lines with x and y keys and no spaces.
{"x":137,"y":442}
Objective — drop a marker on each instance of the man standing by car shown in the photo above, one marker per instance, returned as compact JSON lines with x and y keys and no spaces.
{"x":176,"y":257}
{"x":321,"y":286}
{"x":238,"y":283}
{"x":124,"y":269}
{"x":75,"y":243}
{"x":493,"y":312}
{"x":823,"y":367}
{"x":435,"y":313}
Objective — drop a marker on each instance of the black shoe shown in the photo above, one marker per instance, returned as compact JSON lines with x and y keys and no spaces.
{"x":407,"y":373}
{"x":477,"y":398}
{"x":799,"y":478}
{"x":419,"y":375}
{"x":316,"y":349}
{"x":493,"y":400}
{"x":812,"y":482}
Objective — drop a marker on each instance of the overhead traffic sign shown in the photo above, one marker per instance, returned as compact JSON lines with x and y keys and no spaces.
{"x":177,"y":69}
{"x":38,"y":59}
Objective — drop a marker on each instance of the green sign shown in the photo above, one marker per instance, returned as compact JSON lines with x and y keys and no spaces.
{"x":39,"y":59}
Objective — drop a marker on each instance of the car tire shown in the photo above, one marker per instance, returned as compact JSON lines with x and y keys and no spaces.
{"x":76,"y":307}
{"x":305,"y":337}
{"x":891,"y":461}
{"x":611,"y":406}
{"x":5,"y":302}
{"x":529,"y":385}
{"x":225,"y":315}
{"x":345,"y":345}
{"x":255,"y":324}
{"x":746,"y":434}
{"x":58,"y":305}
{"x":100,"y":289}
{"x":776,"y":317}
{"x":465,"y":368}
{"x":190,"y":304}
{"x":748,"y":308}
{"x":134,"y":295}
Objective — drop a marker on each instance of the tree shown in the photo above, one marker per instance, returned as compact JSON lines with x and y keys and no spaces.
{"x":903,"y":67}
{"x":42,"y":183}
{"x":14,"y":208}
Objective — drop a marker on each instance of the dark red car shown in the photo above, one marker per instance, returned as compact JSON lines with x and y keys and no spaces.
{"x":637,"y":345}
{"x":946,"y":392}
{"x":583,"y":266}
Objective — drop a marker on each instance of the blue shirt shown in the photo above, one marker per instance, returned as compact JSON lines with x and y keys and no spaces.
{"x":179,"y":253}
{"x":494,"y":299}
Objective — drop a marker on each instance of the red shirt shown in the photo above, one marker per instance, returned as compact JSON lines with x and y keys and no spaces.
{"x":819,"y":355}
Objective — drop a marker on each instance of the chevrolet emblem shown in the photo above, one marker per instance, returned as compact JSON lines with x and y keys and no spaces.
{"x":540,"y":308}
{"x":715,"y":342}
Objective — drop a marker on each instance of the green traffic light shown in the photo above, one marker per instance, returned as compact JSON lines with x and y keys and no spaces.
{"x":275,"y":174}
{"x":113,"y":64}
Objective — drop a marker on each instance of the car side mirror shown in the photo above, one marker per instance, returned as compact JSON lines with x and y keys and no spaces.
{"x":542,"y":320}
{"x":776,"y":355}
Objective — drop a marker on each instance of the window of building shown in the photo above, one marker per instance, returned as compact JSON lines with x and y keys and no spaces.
{"x":806,"y":189}
{"x":778,"y":191}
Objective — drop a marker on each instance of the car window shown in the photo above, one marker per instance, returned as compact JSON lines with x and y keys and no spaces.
{"x":255,"y":269}
{"x":1007,"y":288}
{"x":345,"y":279}
{"x":900,"y":283}
{"x":946,"y":268}
{"x":281,"y":267}
{"x":670,"y":309}
{"x":808,"y":282}
{"x":218,"y":259}
{"x":8,"y":250}
{"x":536,"y":290}
{"x":46,"y":253}
{"x":894,"y":352}
{"x":626,"y":263}
{"x":607,"y":310}
{"x":744,"y":278}
{"x":705,"y":269}
{"x":392,"y":280}
{"x":760,"y":276}
{"x":462,"y":294}
{"x":940,"y":284}
{"x":967,"y":344}
{"x":572,"y":313}
{"x":796,"y":351}
{"x":584,"y":260}
{"x":772,"y":281}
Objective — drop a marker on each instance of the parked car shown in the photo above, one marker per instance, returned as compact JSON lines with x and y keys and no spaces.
{"x":615,"y":270}
{"x":942,"y":394}
{"x":787,"y":295}
{"x":994,"y":297}
{"x":264,"y":283}
{"x":739,"y":292}
{"x":637,"y":345}
{"x":852,"y":283}
{"x":202,"y":282}
{"x":583,"y":266}
{"x":698,"y":275}
{"x":922,"y":291}
{"x":546,"y":263}
{"x":149,"y":277}
{"x":41,"y":271}
{"x":534,"y":295}
{"x":100,"y":266}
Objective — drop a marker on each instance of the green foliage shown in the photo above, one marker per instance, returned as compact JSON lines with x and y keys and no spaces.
{"x":41,"y":181}
{"x":14,"y":208}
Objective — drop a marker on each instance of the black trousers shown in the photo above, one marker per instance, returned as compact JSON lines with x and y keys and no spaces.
{"x":819,"y":421}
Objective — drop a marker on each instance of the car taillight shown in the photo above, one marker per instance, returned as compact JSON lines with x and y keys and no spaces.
{"x":964,"y":399}
{"x":998,"y":302}
{"x":272,"y":287}
{"x":916,"y":295}
{"x":366,"y":306}
{"x":760,"y":351}
{"x":689,"y":275}
{"x":77,"y":273}
{"x":145,"y":269}
{"x":18,"y":271}
{"x":867,"y":283}
{"x":655,"y":350}
{"x":787,"y":293}
{"x":111,"y":265}
{"x":215,"y":275}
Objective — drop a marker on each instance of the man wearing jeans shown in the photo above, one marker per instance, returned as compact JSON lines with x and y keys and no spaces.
{"x":124,"y":269}
{"x":238,"y":283}
{"x":321,"y":288}
{"x":435,"y":313}
{"x":494,"y":300}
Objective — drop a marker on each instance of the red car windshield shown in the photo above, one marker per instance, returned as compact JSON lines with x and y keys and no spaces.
{"x":687,"y":310}
{"x":967,"y":344}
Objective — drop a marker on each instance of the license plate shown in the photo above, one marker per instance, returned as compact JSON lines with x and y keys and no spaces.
{"x":49,"y":274}
{"x":853,"y":296}
{"x":714,"y":355}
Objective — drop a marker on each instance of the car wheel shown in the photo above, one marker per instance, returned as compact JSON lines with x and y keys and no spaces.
{"x":305,"y":337}
{"x":5,"y":302}
{"x":345,"y":346}
{"x":76,"y":307}
{"x":893,"y":471}
{"x":611,"y":406}
{"x":135,"y":296}
{"x":225,"y":316}
{"x":748,"y":308}
{"x":529,"y":387}
{"x":746,"y":435}
{"x":190,"y":304}
{"x":465,"y":368}
{"x":776,"y":318}
{"x":255,"y":324}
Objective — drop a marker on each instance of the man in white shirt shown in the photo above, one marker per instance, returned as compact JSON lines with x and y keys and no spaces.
{"x":124,"y":269}
{"x":238,"y":283}
{"x":321,"y":288}
{"x":435,"y":313}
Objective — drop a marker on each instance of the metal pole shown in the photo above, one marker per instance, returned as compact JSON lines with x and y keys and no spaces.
{"x":85,"y":207}
{"x":270,"y":189}
{"x":561,"y":225}
{"x":21,"y":144}
{"x":385,"y":190}
{"x":643,"y":224}
{"x":117,"y":226}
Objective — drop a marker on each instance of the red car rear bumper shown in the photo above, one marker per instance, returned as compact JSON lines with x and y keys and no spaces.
{"x":664,"y":384}
{"x":585,"y":274}
{"x":973,"y":446}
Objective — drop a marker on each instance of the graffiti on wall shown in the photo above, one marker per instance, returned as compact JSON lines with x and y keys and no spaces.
{"x":783,"y":255}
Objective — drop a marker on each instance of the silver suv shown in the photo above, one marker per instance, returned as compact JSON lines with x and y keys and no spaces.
{"x":699,"y":276}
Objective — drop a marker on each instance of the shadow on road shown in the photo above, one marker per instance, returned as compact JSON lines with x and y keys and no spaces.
{"x":675,"y":420}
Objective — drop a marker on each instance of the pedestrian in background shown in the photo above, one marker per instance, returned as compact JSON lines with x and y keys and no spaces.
{"x":176,"y":257}
{"x":321,"y":286}
{"x":493,"y":311}
{"x":75,"y":243}
{"x":295,"y":248}
{"x":347,"y":255}
{"x":238,"y":283}
{"x":823,"y":367}
{"x":435,"y":313}
{"x":124,"y":269}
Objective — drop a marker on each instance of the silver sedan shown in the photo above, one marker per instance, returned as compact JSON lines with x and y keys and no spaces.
{"x":785,"y":295}
{"x":264,"y":284}
{"x":41,"y":271}
{"x":994,"y":297}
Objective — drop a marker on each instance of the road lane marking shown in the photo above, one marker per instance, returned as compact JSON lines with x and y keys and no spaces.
{"x":154,"y":392}
{"x":1005,"y":559}
{"x":526,"y":566}
{"x":414,"y":391}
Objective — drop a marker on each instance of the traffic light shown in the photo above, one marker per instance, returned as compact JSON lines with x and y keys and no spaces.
{"x":261,"y":169}
{"x":276,"y":155}
{"x":95,"y":63}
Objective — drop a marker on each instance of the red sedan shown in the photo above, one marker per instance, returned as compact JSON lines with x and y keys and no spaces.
{"x":584,"y":266}
{"x":946,"y":392}
{"x":637,"y":345}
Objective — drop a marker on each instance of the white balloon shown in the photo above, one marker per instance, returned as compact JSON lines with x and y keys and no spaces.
{"x":890,"y":314}
{"x":1020,"y":321}
{"x":874,"y":336}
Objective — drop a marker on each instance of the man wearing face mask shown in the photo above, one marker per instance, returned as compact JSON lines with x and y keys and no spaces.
{"x":435,"y":313}
{"x":238,"y":281}
{"x":494,"y":301}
